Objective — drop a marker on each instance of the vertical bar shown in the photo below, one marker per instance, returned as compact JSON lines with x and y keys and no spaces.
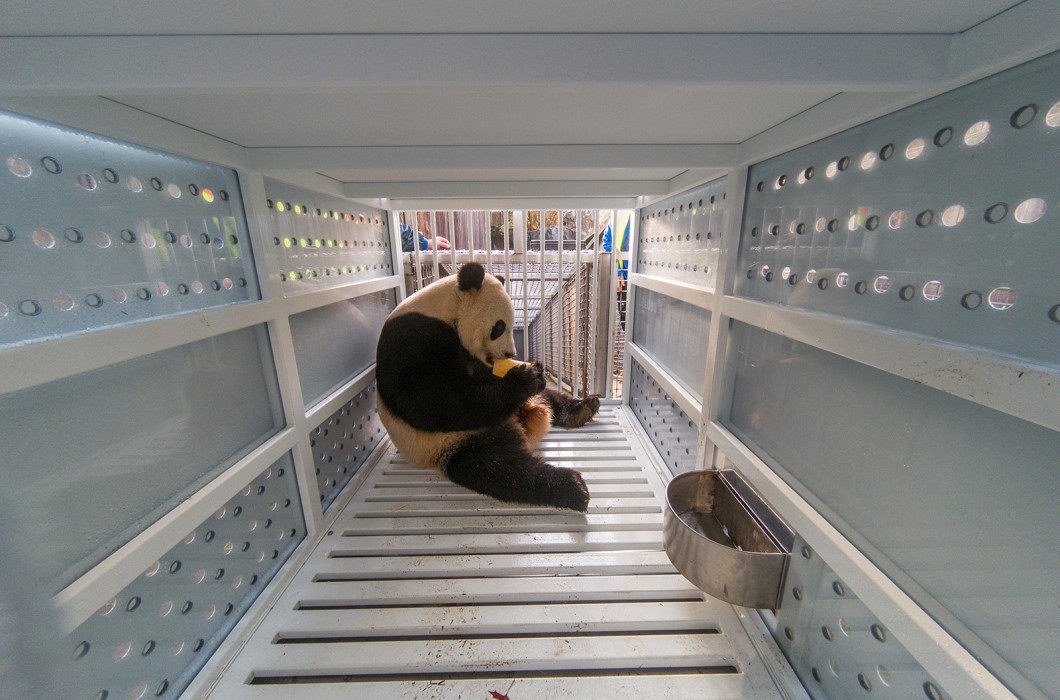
{"x":507,"y":255}
{"x":452,"y":240}
{"x":397,"y":257}
{"x":578,"y":335}
{"x":634,"y":247}
{"x":594,"y":304}
{"x":611,"y":309}
{"x":416,"y":263}
{"x":561,"y":294}
{"x":541,"y":312}
{"x":521,"y":226}
{"x":489,"y":239}
{"x":434,"y":245}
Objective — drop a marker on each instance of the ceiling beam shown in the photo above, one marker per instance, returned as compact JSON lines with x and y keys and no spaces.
{"x":527,"y":188}
{"x":322,"y":63}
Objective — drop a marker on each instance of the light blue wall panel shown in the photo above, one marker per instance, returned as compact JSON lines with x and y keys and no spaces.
{"x":334,"y":343}
{"x":91,"y":460}
{"x":674,"y":333}
{"x":956,"y":501}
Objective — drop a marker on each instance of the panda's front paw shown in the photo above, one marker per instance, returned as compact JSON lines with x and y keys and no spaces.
{"x":529,"y":379}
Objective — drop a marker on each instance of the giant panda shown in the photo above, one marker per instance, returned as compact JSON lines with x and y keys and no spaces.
{"x":445,"y":409}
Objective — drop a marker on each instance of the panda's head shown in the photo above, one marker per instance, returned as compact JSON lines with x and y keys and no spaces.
{"x":485,"y":318}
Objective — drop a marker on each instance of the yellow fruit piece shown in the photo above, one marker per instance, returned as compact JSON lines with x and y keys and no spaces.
{"x":501,"y":367}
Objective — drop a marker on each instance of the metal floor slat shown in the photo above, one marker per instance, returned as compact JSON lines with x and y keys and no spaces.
{"x":424,"y":589}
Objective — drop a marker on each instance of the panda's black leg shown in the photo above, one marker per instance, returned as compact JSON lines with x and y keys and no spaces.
{"x":569,"y":412}
{"x":495,"y":463}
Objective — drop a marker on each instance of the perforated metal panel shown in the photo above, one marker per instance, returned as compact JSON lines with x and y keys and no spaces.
{"x":954,"y":501}
{"x":321,"y":242}
{"x":674,"y":333}
{"x":939,"y":219}
{"x":95,"y":232}
{"x":334,"y":343}
{"x":667,"y":426}
{"x":151,"y":639}
{"x":836,"y":646}
{"x":104,"y":454}
{"x":680,"y":238}
{"x":343,"y":442}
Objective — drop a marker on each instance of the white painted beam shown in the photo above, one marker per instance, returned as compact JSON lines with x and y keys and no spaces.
{"x":505,"y":188}
{"x":328,"y":63}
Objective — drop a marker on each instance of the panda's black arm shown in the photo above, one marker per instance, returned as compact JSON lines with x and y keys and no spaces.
{"x":426,"y":378}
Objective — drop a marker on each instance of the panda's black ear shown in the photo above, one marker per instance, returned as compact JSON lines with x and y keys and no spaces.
{"x":500,"y":278}
{"x":471,"y":276}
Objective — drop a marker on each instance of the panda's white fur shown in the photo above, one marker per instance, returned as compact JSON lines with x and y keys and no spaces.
{"x":444,"y":409}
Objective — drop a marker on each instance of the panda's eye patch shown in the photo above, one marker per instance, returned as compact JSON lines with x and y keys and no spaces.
{"x":498,"y":330}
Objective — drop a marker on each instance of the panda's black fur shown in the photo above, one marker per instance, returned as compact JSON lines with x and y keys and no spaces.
{"x":444,"y":408}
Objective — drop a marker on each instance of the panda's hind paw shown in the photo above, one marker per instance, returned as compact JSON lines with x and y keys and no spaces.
{"x":572,"y":493}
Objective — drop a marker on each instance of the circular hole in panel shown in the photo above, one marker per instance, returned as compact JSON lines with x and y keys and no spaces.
{"x":885,"y":676}
{"x":227,"y":283}
{"x":793,"y":279}
{"x":932,"y":290}
{"x":190,"y":537}
{"x":210,"y":612}
{"x":844,"y":163}
{"x":833,"y":225}
{"x":1023,"y":116}
{"x":133,"y":603}
{"x":63,"y":301}
{"x":853,"y":222}
{"x":166,"y":609}
{"x":833,"y":667}
{"x":1054,"y":314}
{"x":882,"y":284}
{"x":51,"y":165}
{"x":19,"y":166}
{"x":128,"y":236}
{"x":1030,"y":210}
{"x":205,"y":238}
{"x":162,"y":289}
{"x":924,"y":218}
{"x":186,"y":608}
{"x":134,"y":184}
{"x":228,"y":548}
{"x":122,"y":650}
{"x":907,"y":292}
{"x":822,"y":283}
{"x":931,"y":691}
{"x":972,"y":300}
{"x":864,"y":682}
{"x":816,"y":674}
{"x":182,"y":289}
{"x":842,"y":280}
{"x":796,"y":593}
{"x":200,"y":575}
{"x":764,"y":271}
{"x":1002,"y":298}
{"x":73,"y":235}
{"x":110,"y":176}
{"x":148,"y":648}
{"x":43,"y":239}
{"x":952,"y":215}
{"x":1052,"y":118}
{"x":29,"y":307}
{"x":915,"y":148}
{"x":878,"y":632}
{"x":872,"y":223}
{"x":6,"y":234}
{"x":162,"y":688}
{"x":976,"y":133}
{"x":996,"y":212}
{"x":108,"y":607}
{"x":785,"y":273}
{"x":173,"y":191}
{"x":153,"y":569}
{"x":156,"y":184}
{"x":149,"y":241}
{"x":193,"y":190}
{"x":218,"y":243}
{"x":87,"y":182}
{"x":789,"y":634}
{"x":868,"y":160}
{"x":4,"y":311}
{"x":831,"y":170}
{"x":887,"y":152}
{"x":216,"y":285}
{"x":81,"y":650}
{"x":792,"y":227}
{"x":197,"y":287}
{"x":143,"y":293}
{"x":186,"y":240}
{"x":943,"y":136}
{"x":199,"y":644}
{"x":811,"y":276}
{"x":178,"y":647}
{"x":838,"y":587}
{"x":800,"y":179}
{"x":820,"y":224}
{"x":207,"y":195}
{"x":808,"y":172}
{"x":138,"y":692}
{"x":844,"y":627}
{"x":219,"y":574}
{"x":174,"y":567}
{"x":237,"y":582}
{"x":807,"y":553}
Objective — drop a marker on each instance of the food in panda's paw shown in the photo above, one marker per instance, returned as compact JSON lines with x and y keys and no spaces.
{"x":502,"y":367}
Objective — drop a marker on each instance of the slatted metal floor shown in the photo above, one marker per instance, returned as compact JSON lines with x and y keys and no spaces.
{"x":424,"y":589}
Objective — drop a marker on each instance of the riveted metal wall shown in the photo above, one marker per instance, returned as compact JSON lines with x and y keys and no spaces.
{"x":668,"y":427}
{"x":936,"y":222}
{"x":836,"y":645}
{"x":680,"y":237}
{"x":153,"y":637}
{"x":343,"y":442}
{"x":96,"y":233}
{"x":321,"y":242}
{"x":938,"y":219}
